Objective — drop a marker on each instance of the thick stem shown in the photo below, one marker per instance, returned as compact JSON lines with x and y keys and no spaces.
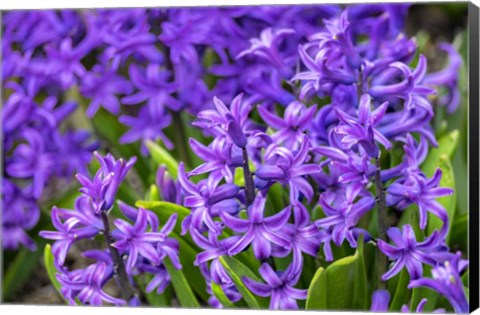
{"x":249,"y":186}
{"x":119,"y":267}
{"x":382,"y":223}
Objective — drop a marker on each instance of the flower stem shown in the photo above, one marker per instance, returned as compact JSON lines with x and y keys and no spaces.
{"x":119,"y":266}
{"x":382,"y":223}
{"x":249,"y":186}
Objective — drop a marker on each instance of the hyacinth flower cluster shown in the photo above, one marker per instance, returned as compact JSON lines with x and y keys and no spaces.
{"x":136,"y":245}
{"x":272,"y":139}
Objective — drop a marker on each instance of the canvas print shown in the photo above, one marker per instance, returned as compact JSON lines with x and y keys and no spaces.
{"x":309,"y":157}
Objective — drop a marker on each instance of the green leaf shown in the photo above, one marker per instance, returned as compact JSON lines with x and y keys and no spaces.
{"x":51,"y":270}
{"x":183,"y":291}
{"x":448,"y":202}
{"x":317,"y":296}
{"x":236,"y":270}
{"x":20,"y":270}
{"x":220,"y":295}
{"x":162,"y":157}
{"x":401,"y":295}
{"x":446,"y":146}
{"x":187,"y":258}
{"x":458,"y":232}
{"x":153,"y":193}
{"x":344,"y":283}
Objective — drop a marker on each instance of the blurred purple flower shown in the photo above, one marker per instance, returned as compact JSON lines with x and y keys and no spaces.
{"x":102,"y":86}
{"x":448,"y":78}
{"x":148,"y":125}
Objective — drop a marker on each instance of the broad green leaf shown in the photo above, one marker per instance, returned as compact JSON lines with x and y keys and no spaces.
{"x":448,"y":202}
{"x":183,"y":291}
{"x":162,"y":157}
{"x":51,"y":270}
{"x":220,"y":295}
{"x":236,"y":270}
{"x":317,"y":295}
{"x":446,"y":146}
{"x":401,"y":294}
{"x":346,"y":283}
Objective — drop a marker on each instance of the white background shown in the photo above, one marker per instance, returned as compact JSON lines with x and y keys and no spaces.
{"x":44,"y":4}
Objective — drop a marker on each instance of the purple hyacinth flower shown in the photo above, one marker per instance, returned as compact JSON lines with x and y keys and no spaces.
{"x":380,"y":301}
{"x":32,"y":160}
{"x":448,"y":77}
{"x":410,"y":89}
{"x":213,"y":249}
{"x":160,"y":280}
{"x":231,"y":122}
{"x":343,"y":218}
{"x":103,"y":188}
{"x":288,"y":168}
{"x":135,"y":240}
{"x":168,"y":188}
{"x":339,"y":34}
{"x":421,"y":191}
{"x":303,"y":235}
{"x":361,"y":131}
{"x":67,"y":233}
{"x":18,"y":108}
{"x":76,"y":148}
{"x":257,"y":230}
{"x":147,"y":126}
{"x":279,"y":286}
{"x":446,"y":281}
{"x":353,"y":168}
{"x":153,"y":87}
{"x":20,"y":213}
{"x":266,"y":47}
{"x":415,"y":154}
{"x":406,"y":252}
{"x":181,"y":39}
{"x":323,"y":69}
{"x":102,"y":86}
{"x":64,"y":62}
{"x":126,"y":33}
{"x":219,"y":158}
{"x":87,"y":285}
{"x":289,"y":130}
{"x":206,"y":199}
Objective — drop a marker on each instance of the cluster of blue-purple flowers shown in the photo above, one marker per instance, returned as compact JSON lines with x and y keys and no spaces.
{"x":307,"y":98}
